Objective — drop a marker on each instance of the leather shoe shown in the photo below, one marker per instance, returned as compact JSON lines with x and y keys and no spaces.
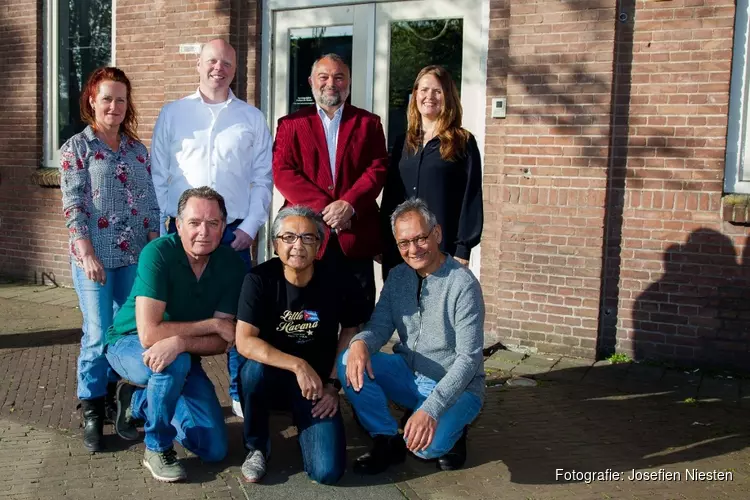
{"x":386,"y":450}
{"x":93,"y":424}
{"x":456,"y":457}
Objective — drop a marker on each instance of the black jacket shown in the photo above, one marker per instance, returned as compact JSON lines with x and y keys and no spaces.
{"x":451,"y":189}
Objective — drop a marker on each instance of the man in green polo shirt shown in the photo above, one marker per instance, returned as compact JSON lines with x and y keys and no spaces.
{"x":182,"y":307}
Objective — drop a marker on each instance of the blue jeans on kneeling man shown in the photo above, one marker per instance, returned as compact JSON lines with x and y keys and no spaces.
{"x":321,"y":440}
{"x":178,"y":403}
{"x":394,"y":381}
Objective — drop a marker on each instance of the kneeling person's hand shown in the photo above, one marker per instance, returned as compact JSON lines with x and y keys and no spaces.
{"x":308,"y":381}
{"x":357,"y":362}
{"x":328,"y":405}
{"x":225,"y":328}
{"x":419,"y":431}
{"x":163,"y":353}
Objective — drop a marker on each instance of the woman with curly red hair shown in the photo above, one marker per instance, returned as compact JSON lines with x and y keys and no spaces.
{"x":111,"y":213}
{"x":437,"y":161}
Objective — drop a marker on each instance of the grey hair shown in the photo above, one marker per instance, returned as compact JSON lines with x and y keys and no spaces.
{"x":298,"y":211}
{"x":204,"y":193}
{"x":413,"y":205}
{"x":333,"y":57}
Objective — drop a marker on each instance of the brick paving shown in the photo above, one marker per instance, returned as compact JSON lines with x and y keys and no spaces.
{"x":580,"y":417}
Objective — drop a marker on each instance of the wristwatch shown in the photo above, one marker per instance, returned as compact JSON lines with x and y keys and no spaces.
{"x":335,"y":382}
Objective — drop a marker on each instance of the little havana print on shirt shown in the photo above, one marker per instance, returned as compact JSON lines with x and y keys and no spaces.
{"x":299,"y":326}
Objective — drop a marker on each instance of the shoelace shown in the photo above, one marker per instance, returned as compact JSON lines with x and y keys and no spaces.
{"x":169,"y":457}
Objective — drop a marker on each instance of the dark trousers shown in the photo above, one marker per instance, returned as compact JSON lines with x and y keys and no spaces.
{"x":321,"y":440}
{"x":361,"y":269}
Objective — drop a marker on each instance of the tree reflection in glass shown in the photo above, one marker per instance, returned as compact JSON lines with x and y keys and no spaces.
{"x":414,"y":45}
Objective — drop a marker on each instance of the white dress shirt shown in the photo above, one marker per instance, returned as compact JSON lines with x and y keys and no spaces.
{"x":226,"y":146}
{"x":331,"y":128}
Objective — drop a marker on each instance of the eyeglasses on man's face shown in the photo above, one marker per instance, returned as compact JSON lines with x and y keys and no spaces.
{"x":291,"y":238}
{"x":420,"y":241}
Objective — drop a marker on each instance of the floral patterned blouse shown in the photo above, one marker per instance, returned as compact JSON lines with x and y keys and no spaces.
{"x":108,"y":197}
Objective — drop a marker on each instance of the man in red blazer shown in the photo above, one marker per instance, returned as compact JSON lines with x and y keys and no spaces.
{"x":332,"y":157}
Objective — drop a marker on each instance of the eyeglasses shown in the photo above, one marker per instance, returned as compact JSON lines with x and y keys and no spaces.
{"x":291,"y":238}
{"x":420,"y":241}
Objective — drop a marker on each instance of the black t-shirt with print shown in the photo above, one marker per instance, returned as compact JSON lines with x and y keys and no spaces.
{"x":303,"y":322}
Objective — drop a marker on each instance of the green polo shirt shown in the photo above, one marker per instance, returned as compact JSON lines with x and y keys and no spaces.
{"x":164,"y":274}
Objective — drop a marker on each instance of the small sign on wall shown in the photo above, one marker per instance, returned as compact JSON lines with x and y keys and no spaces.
{"x":190,"y":48}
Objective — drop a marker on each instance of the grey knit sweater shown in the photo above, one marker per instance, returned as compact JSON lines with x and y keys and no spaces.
{"x":441,"y":335}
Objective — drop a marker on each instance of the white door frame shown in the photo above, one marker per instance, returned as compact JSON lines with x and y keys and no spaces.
{"x":372,"y":21}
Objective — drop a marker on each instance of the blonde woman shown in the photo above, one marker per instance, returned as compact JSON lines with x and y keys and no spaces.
{"x":437,"y":161}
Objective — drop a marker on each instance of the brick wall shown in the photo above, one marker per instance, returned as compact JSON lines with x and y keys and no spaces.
{"x":546,"y":168}
{"x":605,"y":181}
{"x":31,"y":230}
{"x":682,"y":285}
{"x":33,"y":245}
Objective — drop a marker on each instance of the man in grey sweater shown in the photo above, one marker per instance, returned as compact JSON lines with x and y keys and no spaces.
{"x":435,"y":304}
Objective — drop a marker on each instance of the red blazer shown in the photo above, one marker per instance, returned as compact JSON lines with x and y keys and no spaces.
{"x":302,"y":171}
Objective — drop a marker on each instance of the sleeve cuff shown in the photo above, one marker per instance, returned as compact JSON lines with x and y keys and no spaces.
{"x":250,"y":227}
{"x":432,"y":408}
{"x":367,"y":338}
{"x":462,"y":252}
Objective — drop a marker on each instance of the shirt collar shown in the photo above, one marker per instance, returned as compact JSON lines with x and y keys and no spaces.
{"x":88,"y":132}
{"x":199,"y":96}
{"x":322,"y":114}
{"x":90,"y":136}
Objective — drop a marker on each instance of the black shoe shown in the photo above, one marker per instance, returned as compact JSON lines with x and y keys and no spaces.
{"x":124,"y":424}
{"x":454,"y":459}
{"x":386,"y":450}
{"x":93,"y":424}
{"x":110,"y":404}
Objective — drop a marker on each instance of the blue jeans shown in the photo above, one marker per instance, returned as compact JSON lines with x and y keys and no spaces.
{"x":178,"y":403}
{"x":395,"y":381}
{"x":99,"y":304}
{"x":322,"y":440}
{"x":234,"y":359}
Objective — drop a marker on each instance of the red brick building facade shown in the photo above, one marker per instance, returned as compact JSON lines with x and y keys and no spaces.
{"x":607,"y":221}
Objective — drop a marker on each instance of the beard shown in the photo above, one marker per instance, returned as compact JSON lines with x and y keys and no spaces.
{"x":324,"y":99}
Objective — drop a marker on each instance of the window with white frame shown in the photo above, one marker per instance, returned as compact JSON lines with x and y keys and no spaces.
{"x":737,"y":169}
{"x":78,"y":39}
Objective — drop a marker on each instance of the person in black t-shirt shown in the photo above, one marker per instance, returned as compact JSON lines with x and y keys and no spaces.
{"x":289,"y":315}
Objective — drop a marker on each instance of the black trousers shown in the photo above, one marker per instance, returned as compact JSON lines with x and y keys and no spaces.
{"x":361,"y":269}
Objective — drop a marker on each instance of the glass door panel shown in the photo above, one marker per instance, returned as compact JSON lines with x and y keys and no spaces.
{"x":300,"y":37}
{"x":305,"y":46}
{"x":414,"y":45}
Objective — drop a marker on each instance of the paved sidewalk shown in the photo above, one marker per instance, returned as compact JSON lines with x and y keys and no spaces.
{"x":581,"y":417}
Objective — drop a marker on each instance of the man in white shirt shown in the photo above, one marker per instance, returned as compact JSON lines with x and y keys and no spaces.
{"x":212,"y":138}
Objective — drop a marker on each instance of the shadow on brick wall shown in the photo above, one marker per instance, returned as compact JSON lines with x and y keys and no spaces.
{"x":700,"y":308}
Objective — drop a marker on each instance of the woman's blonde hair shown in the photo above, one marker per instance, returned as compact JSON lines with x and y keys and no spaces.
{"x":448,"y":129}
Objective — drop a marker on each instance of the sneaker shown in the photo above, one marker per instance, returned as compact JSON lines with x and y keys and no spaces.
{"x":237,"y":409}
{"x":164,"y":465}
{"x":254,"y":466}
{"x":124,"y":423}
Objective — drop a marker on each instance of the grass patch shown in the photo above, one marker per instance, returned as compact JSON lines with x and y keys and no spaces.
{"x":618,"y":358}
